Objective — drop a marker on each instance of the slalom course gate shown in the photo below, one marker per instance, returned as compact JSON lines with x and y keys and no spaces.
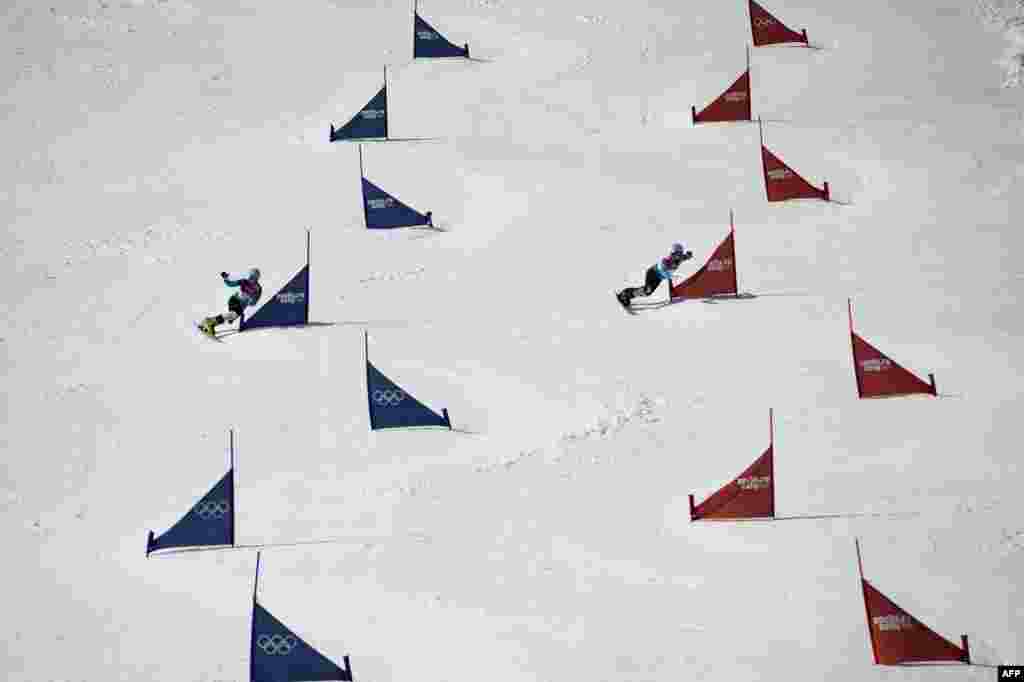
{"x":277,"y":653}
{"x":877,"y":375}
{"x":391,"y":407}
{"x":751,"y":495}
{"x":381,"y":211}
{"x":767,"y":30}
{"x":371,"y":121}
{"x":717,"y":277}
{"x":210,"y":522}
{"x":288,"y":307}
{"x":897,"y":637}
{"x":428,"y":43}
{"x":732,"y":105}
{"x":782,"y":182}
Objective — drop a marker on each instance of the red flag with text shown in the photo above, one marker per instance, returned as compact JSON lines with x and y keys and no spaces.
{"x":750,"y":495}
{"x":878,"y":376}
{"x":717,"y":277}
{"x":731,"y":105}
{"x":782,"y":182}
{"x":897,"y":637}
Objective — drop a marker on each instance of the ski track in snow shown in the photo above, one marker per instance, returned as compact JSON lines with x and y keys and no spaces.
{"x":1011,"y":541}
{"x":144,"y":245}
{"x":69,"y":391}
{"x":974,"y":505}
{"x":1007,"y":16}
{"x":642,"y":413}
{"x":399,"y":276}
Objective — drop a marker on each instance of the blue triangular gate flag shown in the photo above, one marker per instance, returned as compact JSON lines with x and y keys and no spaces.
{"x":427,"y":42}
{"x":371,"y":121}
{"x":383,"y":211}
{"x":279,"y":655}
{"x":289,"y":306}
{"x":210,"y":522}
{"x":393,"y":408}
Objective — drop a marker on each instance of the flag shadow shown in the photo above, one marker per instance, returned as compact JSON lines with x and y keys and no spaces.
{"x":819,"y":517}
{"x":851,"y":515}
{"x":830,"y":200}
{"x":384,"y":324}
{"x":654,"y":305}
{"x":269,"y":545}
{"x":789,"y":294}
{"x":798,"y":46}
{"x":232,"y":332}
{"x":944,"y":664}
{"x":452,"y":58}
{"x":742,"y":296}
{"x":393,"y":139}
{"x":421,"y":233}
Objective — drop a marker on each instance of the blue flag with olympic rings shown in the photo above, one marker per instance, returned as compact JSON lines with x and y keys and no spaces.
{"x":279,"y":655}
{"x":210,"y":522}
{"x":391,"y":407}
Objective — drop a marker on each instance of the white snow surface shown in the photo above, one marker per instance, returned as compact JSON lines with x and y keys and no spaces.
{"x":150,"y":144}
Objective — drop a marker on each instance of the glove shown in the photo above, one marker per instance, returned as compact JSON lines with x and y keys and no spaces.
{"x":688,"y":255}
{"x":224,"y":275}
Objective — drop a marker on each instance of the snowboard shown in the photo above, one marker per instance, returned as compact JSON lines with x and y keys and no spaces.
{"x":202,"y":332}
{"x":624,"y":306}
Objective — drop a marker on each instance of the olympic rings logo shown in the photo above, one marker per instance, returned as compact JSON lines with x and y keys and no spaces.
{"x":388,"y":397}
{"x":276,"y":645}
{"x":763,"y":22}
{"x":212,"y":509}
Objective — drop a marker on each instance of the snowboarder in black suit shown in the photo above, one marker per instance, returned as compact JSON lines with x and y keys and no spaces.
{"x":248,"y":294}
{"x":663,"y":269}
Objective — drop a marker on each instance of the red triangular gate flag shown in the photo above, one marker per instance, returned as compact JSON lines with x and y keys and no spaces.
{"x":750,"y":495}
{"x":878,"y":376}
{"x":731,"y":105}
{"x":897,"y":637}
{"x":717,"y":277}
{"x":767,"y":30}
{"x":782,"y":182}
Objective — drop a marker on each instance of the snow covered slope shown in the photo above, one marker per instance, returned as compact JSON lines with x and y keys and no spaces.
{"x":151,"y":144}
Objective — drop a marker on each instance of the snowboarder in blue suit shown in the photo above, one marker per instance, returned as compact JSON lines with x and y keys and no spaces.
{"x":663,"y":269}
{"x":248,"y":295}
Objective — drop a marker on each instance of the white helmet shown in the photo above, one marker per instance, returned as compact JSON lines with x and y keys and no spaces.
{"x":254,"y":275}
